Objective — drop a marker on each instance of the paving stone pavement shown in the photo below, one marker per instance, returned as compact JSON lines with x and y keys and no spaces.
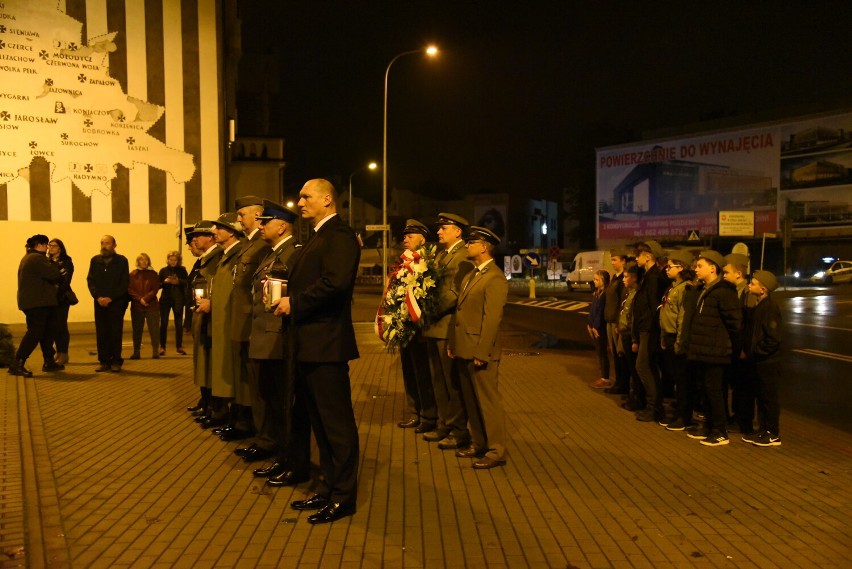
{"x":108,"y":470}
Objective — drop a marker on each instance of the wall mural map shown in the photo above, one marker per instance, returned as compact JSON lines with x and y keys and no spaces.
{"x":64,"y":106}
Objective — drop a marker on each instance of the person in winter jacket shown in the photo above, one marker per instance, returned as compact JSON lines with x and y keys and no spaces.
{"x":596,"y":326}
{"x":646,"y":327}
{"x":715,"y":336}
{"x":37,"y":282}
{"x":672,"y":324}
{"x":144,"y":306}
{"x":761,"y":344}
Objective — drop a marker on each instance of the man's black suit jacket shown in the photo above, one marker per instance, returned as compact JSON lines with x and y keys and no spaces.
{"x":322,"y":278}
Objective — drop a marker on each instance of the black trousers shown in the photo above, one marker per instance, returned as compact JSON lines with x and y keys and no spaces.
{"x":419,"y":393}
{"x":712,"y":376}
{"x":109,"y":329}
{"x":63,"y":337}
{"x":324,"y":390}
{"x":41,"y":322}
{"x":177,"y":310}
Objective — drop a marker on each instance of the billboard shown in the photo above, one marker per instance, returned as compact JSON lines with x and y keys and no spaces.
{"x":668,"y":188}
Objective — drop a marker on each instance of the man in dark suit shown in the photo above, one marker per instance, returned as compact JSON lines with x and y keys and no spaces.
{"x":108,"y":280}
{"x":474,"y":345}
{"x":451,"y":431}
{"x":37,"y":281}
{"x":255,"y":249}
{"x":322,"y":279}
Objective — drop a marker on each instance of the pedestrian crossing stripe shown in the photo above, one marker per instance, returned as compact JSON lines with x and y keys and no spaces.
{"x":563,"y":305}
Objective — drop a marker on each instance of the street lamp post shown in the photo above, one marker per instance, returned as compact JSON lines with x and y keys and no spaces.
{"x":431,"y":51}
{"x":370,"y":166}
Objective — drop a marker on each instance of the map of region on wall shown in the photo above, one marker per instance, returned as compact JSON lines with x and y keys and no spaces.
{"x":67,"y":108}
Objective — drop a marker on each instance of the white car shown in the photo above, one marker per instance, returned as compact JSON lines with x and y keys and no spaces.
{"x":834,"y":272}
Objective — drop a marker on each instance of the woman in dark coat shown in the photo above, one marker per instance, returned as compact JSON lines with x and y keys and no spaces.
{"x":58,"y":255}
{"x":173,"y":279}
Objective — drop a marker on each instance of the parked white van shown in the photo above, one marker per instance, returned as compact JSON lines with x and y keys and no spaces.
{"x":582,"y":269}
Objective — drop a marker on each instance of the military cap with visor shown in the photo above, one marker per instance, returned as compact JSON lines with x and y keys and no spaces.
{"x":245,"y":201}
{"x":452,"y":219}
{"x":414,"y":226}
{"x":477,"y":233}
{"x":273,"y":210}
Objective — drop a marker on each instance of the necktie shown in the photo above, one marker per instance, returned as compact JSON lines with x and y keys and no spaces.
{"x":473,"y":275}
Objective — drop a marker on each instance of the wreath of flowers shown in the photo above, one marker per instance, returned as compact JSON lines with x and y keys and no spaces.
{"x":409,"y":299}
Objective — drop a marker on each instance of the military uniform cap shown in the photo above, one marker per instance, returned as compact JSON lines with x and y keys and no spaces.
{"x":736,"y":259}
{"x":685,"y":258}
{"x":229,"y":221}
{"x":714,"y":257}
{"x":203,"y":227}
{"x":654,"y":247}
{"x":482,"y":233}
{"x":245,"y":201}
{"x":414,"y":226}
{"x":767,"y":279}
{"x":272,"y":210}
{"x":453,"y":219}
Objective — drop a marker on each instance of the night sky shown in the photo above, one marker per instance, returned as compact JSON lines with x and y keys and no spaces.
{"x":523,"y":91}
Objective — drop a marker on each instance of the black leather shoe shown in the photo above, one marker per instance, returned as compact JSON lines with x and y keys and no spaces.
{"x":195,"y":408}
{"x":287,"y":478}
{"x":332,"y":512}
{"x":425,"y":428}
{"x":410,"y":423}
{"x":451,"y":442}
{"x":315,"y":502}
{"x":103,"y":367}
{"x":234,"y":434}
{"x":273,"y":469}
{"x":52,"y":366}
{"x":257,"y":454}
{"x":201,"y":418}
{"x":210,"y":422}
{"x":219,"y":430}
{"x":433,"y":436}
{"x":241,"y":451}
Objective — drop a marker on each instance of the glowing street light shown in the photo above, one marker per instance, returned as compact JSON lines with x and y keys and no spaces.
{"x":431,"y":51}
{"x":370,"y":166}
